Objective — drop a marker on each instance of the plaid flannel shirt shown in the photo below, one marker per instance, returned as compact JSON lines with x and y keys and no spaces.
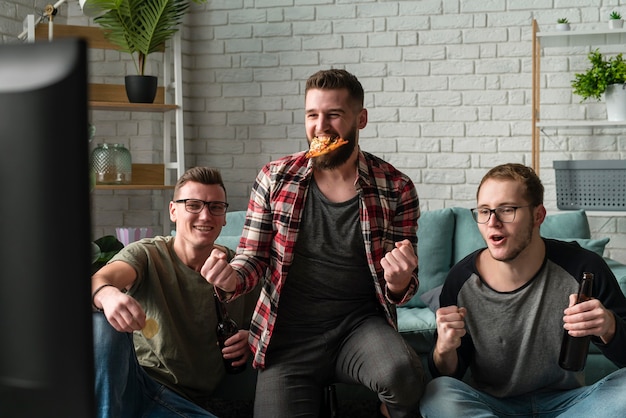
{"x":389,"y":210}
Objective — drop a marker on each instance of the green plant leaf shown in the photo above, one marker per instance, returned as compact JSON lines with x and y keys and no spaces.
{"x":602,"y":73}
{"x":141,"y":27}
{"x":109,"y":246}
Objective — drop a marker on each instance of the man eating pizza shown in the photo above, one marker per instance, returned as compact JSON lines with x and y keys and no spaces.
{"x":331,"y":234}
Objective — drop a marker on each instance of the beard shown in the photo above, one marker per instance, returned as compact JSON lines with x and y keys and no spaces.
{"x":522,"y":242}
{"x":337,"y":157}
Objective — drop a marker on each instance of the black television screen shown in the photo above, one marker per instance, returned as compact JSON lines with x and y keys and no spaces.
{"x":46,"y":349}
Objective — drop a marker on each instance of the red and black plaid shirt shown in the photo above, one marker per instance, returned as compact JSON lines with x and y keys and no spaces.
{"x":389,"y":210}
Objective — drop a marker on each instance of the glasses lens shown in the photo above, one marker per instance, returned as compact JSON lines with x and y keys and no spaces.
{"x":481,"y":215}
{"x":194,"y":206}
{"x":217,"y":208}
{"x":506,"y":213}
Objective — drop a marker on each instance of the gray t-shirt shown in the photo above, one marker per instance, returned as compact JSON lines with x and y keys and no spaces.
{"x":514,"y":338}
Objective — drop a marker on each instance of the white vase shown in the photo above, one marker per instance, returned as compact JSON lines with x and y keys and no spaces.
{"x":616,"y":23}
{"x":562,"y":26}
{"x":615,"y":97}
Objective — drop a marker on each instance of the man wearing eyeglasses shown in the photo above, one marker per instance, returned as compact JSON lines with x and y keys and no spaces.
{"x":156,"y":350}
{"x":503,"y":311}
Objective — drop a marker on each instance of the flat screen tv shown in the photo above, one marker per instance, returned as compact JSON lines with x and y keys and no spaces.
{"x":46,"y":348}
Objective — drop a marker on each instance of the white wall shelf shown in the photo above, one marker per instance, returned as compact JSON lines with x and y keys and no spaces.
{"x":580,"y":124}
{"x":112,"y":97}
{"x":572,"y":38}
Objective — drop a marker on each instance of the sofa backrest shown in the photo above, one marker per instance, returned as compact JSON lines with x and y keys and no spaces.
{"x":231,"y":232}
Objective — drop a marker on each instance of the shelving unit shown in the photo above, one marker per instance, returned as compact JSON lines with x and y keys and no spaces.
{"x":570,"y":38}
{"x":112,"y":97}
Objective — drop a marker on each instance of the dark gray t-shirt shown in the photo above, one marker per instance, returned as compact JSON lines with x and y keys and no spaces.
{"x":329,"y":278}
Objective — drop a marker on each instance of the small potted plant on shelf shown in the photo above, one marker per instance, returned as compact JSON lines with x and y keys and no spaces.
{"x":562,"y":24}
{"x":140,"y":27}
{"x":615,"y":20}
{"x":605,"y":76}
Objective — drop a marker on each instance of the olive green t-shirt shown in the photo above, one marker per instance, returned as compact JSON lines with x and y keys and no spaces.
{"x":183,"y":354}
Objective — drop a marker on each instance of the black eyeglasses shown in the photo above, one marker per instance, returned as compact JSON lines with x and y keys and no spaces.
{"x":505,"y":214}
{"x":196,"y":206}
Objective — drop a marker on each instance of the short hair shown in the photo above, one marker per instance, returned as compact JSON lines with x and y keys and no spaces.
{"x":336,"y":79}
{"x":203,"y":175}
{"x":533,"y":189}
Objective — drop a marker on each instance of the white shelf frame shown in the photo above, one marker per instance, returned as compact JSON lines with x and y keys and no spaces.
{"x":173,"y":162}
{"x":570,"y":38}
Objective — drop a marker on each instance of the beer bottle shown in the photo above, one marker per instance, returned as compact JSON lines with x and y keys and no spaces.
{"x":226,"y":328}
{"x":574,"y":349}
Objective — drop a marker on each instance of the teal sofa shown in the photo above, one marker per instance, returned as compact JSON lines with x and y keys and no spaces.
{"x":445,"y":236}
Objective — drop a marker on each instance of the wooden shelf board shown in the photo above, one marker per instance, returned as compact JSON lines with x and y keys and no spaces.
{"x":113,"y":97}
{"x":145,"y":177}
{"x":131,"y":107}
{"x":133,"y":187}
{"x":94,"y":35}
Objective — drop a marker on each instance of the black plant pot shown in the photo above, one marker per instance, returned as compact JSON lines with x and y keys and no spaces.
{"x":141,"y":88}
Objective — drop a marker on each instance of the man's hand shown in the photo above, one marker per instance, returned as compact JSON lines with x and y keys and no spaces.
{"x":123,"y":312}
{"x":398,"y":265}
{"x":450,"y":329}
{"x":589,"y":318}
{"x":237,"y":346}
{"x":218,"y":272}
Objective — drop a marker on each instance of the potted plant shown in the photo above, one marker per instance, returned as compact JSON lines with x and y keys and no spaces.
{"x":562,"y":24}
{"x":615,"y":20}
{"x":103,"y":249}
{"x":605,"y":76}
{"x":140,"y":27}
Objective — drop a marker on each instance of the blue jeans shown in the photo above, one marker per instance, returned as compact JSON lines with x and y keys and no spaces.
{"x":449,"y":397}
{"x":123,"y":389}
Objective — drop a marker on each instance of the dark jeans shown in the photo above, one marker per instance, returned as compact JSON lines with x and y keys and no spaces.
{"x":123,"y":389}
{"x":368,"y":352}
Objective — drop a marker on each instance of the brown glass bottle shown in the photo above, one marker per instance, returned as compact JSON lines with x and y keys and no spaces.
{"x":574,"y":349}
{"x":226,"y":328}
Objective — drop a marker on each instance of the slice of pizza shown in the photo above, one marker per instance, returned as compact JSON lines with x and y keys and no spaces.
{"x":321,"y":145}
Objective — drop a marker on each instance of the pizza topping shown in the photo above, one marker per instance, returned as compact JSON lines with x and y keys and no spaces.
{"x":323,"y":145}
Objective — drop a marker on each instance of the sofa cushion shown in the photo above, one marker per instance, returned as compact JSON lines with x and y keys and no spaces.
{"x":595,"y":245}
{"x":434,"y":238}
{"x":566,"y":225}
{"x":231,"y":232}
{"x":417,"y":326}
{"x":431,"y":298}
{"x":467,"y":238}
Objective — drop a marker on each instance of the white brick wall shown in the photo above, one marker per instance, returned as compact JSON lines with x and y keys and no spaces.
{"x":448,"y":88}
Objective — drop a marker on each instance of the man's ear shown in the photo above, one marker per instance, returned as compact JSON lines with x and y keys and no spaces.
{"x":362,"y":119}
{"x":540,"y":214}
{"x":172,"y":212}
